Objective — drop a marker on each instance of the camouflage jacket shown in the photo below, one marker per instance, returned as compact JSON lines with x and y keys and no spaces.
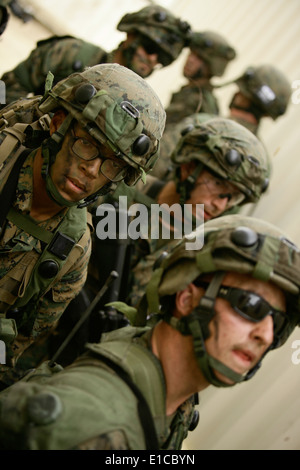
{"x":60,"y":55}
{"x":35,"y":319}
{"x":191,"y":99}
{"x":95,"y":403}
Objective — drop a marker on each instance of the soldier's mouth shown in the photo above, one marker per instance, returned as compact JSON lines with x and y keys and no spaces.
{"x":76,"y":185}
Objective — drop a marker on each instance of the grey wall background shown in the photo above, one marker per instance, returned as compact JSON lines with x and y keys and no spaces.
{"x":264,"y":413}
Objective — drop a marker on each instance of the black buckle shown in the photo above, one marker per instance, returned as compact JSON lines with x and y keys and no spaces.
{"x":61,"y":245}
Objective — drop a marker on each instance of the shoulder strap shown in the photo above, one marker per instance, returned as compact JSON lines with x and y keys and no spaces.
{"x":10,"y":187}
{"x":143,"y":408}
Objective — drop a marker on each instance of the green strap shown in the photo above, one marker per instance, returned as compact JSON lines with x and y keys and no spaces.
{"x":29,"y":226}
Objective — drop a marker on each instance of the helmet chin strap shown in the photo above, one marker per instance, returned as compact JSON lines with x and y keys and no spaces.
{"x":185,"y":187}
{"x":196,"y":324}
{"x":208,"y":364}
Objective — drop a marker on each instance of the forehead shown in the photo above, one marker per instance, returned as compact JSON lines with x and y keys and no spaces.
{"x":80,"y":132}
{"x":266,"y":289}
{"x":207,"y":175}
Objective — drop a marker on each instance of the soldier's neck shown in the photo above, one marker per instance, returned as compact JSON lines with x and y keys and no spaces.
{"x":42,"y":207}
{"x":182,"y":374}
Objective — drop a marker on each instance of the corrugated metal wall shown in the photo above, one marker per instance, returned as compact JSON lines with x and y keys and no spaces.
{"x":264,"y":413}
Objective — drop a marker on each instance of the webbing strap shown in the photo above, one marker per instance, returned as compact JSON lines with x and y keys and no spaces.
{"x":143,"y":408}
{"x":29,"y":226}
{"x":8,"y":191}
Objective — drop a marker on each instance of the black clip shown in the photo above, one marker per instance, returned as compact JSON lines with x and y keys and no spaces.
{"x":61,"y":245}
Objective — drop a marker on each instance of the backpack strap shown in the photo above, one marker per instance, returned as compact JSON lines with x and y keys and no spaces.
{"x":143,"y":408}
{"x":10,"y":187}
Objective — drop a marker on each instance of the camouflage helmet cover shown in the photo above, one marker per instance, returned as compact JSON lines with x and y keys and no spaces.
{"x":118,"y":108}
{"x":267,"y":87}
{"x":229,"y":150}
{"x":240,"y":244}
{"x":161,"y":26}
{"x":213,"y":49}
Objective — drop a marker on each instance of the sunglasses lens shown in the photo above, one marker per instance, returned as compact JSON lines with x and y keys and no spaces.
{"x":152,"y":48}
{"x":251,"y":306}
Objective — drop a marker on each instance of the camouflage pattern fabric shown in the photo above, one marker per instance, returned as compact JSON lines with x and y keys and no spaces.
{"x":163,"y":168}
{"x":191,"y":99}
{"x":251,"y":126}
{"x":268,"y":88}
{"x":48,"y":401}
{"x":14,"y":245}
{"x":171,"y":34}
{"x":62,"y":56}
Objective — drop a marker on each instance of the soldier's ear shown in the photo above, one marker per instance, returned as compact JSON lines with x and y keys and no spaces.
{"x":186,"y":300}
{"x":186,"y":169}
{"x":57,"y":120}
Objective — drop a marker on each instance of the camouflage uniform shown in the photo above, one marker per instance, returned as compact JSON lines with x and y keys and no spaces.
{"x":62,"y":56}
{"x":192,"y":98}
{"x":269,"y":92}
{"x":40,"y":315}
{"x":131,"y":133}
{"x":101,"y":421}
{"x":66,"y":55}
{"x":251,"y":177}
{"x":102,"y":401}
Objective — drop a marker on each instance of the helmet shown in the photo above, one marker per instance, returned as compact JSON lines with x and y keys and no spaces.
{"x":229,"y":150}
{"x":161,"y":26}
{"x":213,"y":49}
{"x":267,"y":87}
{"x":118,"y":108}
{"x":233,"y":243}
{"x":4,"y":16}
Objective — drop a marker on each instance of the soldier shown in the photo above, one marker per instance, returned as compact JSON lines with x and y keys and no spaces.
{"x":154,"y":36}
{"x":263,"y":91}
{"x":209,"y":56}
{"x":94,"y":140}
{"x":219,"y":310}
{"x":219,"y":164}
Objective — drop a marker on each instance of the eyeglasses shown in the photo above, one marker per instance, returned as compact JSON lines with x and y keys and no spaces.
{"x":86,"y":150}
{"x":251,"y":306}
{"x":222,"y":189}
{"x":151,"y":47}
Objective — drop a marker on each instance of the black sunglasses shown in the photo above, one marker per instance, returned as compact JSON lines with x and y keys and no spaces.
{"x":251,"y":306}
{"x":152,"y":48}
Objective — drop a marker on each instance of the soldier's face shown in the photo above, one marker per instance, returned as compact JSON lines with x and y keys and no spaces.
{"x":216,"y":194}
{"x":195,"y":67}
{"x":234,"y":340}
{"x":74,"y":177}
{"x":143,"y":63}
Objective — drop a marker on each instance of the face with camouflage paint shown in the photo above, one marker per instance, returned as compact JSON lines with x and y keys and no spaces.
{"x":195,"y":67}
{"x":142,"y":59}
{"x":75,"y":177}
